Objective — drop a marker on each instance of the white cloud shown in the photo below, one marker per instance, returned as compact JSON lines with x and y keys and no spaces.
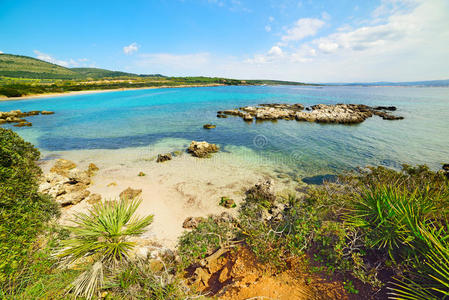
{"x":270,"y":19}
{"x":131,"y":48}
{"x":302,"y":29}
{"x":328,"y":47}
{"x":1,"y":52}
{"x":275,"y":51}
{"x":405,"y":43}
{"x":268,"y":28}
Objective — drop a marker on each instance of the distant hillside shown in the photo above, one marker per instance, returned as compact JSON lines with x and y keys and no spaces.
{"x":27,"y":67}
{"x":434,"y":83}
{"x":18,"y":66}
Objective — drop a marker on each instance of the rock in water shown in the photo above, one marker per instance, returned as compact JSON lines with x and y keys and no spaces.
{"x":209,"y":126}
{"x":46,"y":112}
{"x":202,"y":149}
{"x":130,"y":193}
{"x":163,"y":157}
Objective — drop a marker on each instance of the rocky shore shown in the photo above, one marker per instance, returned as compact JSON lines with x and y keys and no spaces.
{"x":320,"y":113}
{"x":17,"y":116}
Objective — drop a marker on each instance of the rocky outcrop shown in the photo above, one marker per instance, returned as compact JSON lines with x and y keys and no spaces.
{"x":16,"y":116}
{"x":202,"y":149}
{"x":62,"y":167}
{"x":163,"y":157}
{"x":130,"y":193}
{"x":66,"y":183}
{"x":320,"y":113}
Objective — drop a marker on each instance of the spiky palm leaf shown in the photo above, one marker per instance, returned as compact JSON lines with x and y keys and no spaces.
{"x":104,"y":231}
{"x":102,"y":234}
{"x":434,"y":279}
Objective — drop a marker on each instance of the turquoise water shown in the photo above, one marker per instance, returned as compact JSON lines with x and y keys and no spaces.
{"x":136,"y":118}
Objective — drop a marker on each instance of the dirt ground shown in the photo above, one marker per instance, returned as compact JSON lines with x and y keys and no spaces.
{"x":237,"y":275}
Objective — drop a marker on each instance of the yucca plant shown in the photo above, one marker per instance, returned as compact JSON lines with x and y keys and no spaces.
{"x":101,"y":237}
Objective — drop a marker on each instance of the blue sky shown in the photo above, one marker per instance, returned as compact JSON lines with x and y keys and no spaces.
{"x":311,"y":41}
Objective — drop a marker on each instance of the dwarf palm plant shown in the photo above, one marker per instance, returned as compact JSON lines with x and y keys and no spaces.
{"x":102,"y":237}
{"x":432,"y":277}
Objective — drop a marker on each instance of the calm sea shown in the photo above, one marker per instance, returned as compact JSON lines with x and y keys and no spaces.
{"x":136,"y":118}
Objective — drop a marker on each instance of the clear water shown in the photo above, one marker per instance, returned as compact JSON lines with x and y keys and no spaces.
{"x":136,"y":118}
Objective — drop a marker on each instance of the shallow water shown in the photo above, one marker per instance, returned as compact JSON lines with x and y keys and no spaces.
{"x":170,"y":118}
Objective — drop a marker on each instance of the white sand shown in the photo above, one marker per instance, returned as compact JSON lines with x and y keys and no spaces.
{"x":171,"y":191}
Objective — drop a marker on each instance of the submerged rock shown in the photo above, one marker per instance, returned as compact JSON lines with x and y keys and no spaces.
{"x":130,"y":193}
{"x":163,"y":157}
{"x":202,"y":149}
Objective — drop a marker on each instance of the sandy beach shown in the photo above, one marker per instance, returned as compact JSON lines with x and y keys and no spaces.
{"x":172,"y":191}
{"x":51,"y":95}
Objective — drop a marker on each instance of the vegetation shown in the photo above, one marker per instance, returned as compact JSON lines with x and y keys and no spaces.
{"x":379,"y":228}
{"x":102,"y":238}
{"x":22,"y":75}
{"x":23,"y":211}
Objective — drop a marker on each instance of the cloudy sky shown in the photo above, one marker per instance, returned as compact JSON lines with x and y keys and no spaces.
{"x":308,"y":41}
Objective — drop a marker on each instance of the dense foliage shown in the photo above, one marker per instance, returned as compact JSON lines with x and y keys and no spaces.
{"x":23,"y":211}
{"x":381,"y":228}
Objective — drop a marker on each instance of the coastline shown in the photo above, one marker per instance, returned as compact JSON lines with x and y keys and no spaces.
{"x":73,"y":93}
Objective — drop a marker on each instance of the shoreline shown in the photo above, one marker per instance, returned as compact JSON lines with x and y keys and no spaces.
{"x":73,"y":93}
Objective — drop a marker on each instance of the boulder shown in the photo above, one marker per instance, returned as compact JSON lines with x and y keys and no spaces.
{"x":248,"y":117}
{"x":62,"y":166}
{"x":77,"y":176}
{"x":163,"y":157}
{"x":209,"y":126}
{"x":73,"y":197}
{"x":202,"y":149}
{"x":221,"y":116}
{"x":130,"y":193}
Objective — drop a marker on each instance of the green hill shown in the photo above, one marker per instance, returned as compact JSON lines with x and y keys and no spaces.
{"x":19,"y":66}
{"x":101,"y":73}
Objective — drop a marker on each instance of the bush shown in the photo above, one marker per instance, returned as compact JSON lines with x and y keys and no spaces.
{"x":23,"y":211}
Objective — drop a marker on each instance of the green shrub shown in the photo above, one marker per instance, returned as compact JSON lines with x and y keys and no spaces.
{"x":23,"y":211}
{"x":208,"y":236}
